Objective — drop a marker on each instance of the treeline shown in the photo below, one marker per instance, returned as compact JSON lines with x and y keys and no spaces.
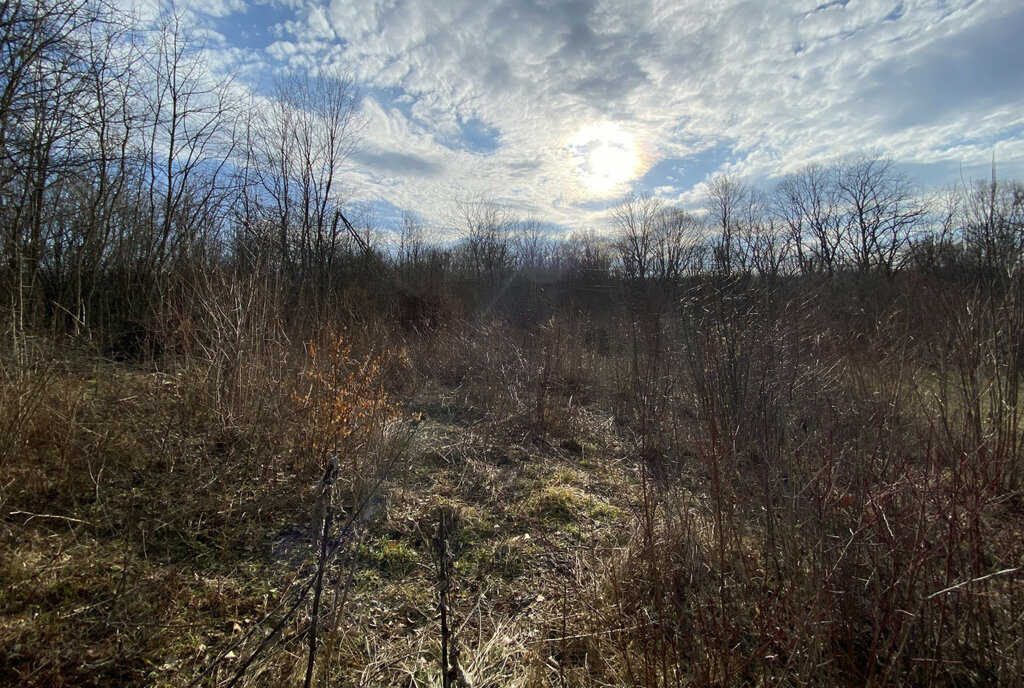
{"x":857,"y":215}
{"x":132,"y":172}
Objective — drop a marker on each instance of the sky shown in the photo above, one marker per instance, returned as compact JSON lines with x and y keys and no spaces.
{"x":557,"y":108}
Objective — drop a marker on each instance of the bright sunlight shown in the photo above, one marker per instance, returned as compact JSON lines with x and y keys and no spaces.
{"x":605,"y":156}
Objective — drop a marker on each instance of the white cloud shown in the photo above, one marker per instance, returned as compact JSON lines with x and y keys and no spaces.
{"x":318,"y":24}
{"x":932,"y":81}
{"x":219,"y":8}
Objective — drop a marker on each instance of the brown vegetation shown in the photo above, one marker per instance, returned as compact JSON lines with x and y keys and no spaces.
{"x":244,"y":442}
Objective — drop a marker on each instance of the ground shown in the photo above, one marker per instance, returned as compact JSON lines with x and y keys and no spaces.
{"x":146,"y":563}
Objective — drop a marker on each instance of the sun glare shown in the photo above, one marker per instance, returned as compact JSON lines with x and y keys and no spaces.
{"x":604,"y":156}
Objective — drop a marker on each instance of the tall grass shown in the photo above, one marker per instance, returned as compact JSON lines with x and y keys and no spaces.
{"x":824,"y":481}
{"x":842,"y":501}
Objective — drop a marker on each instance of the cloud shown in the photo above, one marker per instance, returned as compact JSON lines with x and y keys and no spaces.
{"x":976,"y":70}
{"x":393,"y":163}
{"x":219,"y":8}
{"x":764,"y":86}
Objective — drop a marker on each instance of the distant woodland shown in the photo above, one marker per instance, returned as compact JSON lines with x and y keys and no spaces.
{"x":132,"y":174}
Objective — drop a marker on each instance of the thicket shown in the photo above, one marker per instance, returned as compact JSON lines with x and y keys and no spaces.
{"x":813,"y":389}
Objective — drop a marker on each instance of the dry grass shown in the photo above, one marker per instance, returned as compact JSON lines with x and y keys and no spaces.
{"x":756,"y":489}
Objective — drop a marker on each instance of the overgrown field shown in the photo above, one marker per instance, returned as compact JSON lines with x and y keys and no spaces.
{"x":763,"y":434}
{"x":736,"y":485}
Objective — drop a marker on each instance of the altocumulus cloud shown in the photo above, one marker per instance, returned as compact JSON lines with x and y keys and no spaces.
{"x":398,"y":164}
{"x":757,"y":88}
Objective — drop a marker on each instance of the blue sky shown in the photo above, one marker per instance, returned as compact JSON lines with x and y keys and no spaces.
{"x":559,"y":107}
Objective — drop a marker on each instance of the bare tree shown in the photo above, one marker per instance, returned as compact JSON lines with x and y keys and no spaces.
{"x":487,"y":230}
{"x":109,"y":61}
{"x":678,"y":245}
{"x":726,"y":200}
{"x":938,"y":248}
{"x":766,"y":244}
{"x":809,"y":204}
{"x":411,"y":245}
{"x":532,"y":248}
{"x":583,"y":259}
{"x":304,"y":139}
{"x":52,"y":74}
{"x":188,"y":138}
{"x":635,"y":220}
{"x":882,"y":210}
{"x":991,"y":216}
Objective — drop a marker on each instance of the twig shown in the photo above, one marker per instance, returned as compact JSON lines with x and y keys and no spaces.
{"x":62,"y":518}
{"x":974,"y":580}
{"x":451,"y":672}
{"x":325,"y":511}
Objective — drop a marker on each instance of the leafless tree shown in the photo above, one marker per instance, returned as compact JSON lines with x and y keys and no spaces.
{"x":727,"y":200}
{"x":187,"y":139}
{"x":583,"y":259}
{"x":110,"y":60}
{"x":304,"y":139}
{"x":882,"y":209}
{"x":56,"y":89}
{"x":809,"y":204}
{"x":411,"y":243}
{"x":487,"y":230}
{"x":532,"y":248}
{"x":656,"y":243}
{"x":635,"y":220}
{"x":991,"y":216}
{"x":679,"y":242}
{"x":766,"y":244}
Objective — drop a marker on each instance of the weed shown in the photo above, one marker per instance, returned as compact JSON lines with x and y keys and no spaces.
{"x":559,"y":504}
{"x":393,"y":558}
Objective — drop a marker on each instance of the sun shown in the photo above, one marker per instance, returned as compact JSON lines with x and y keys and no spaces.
{"x":604,"y":156}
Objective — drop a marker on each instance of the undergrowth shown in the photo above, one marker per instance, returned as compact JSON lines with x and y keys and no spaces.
{"x":743,"y":486}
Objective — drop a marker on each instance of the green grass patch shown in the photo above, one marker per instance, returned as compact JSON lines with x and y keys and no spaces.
{"x":559,"y":504}
{"x":393,"y":558}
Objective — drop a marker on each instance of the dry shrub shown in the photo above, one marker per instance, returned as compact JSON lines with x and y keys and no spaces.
{"x":535,"y":381}
{"x":345,"y":412}
{"x":836,"y":531}
{"x":102,"y":534}
{"x":25,"y":383}
{"x":224,"y":334}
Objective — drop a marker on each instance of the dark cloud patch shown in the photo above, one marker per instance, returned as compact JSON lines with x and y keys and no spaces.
{"x":395,"y":163}
{"x":595,"y":205}
{"x":896,"y":14}
{"x":599,"y":66}
{"x":524,"y":14}
{"x":605,"y":90}
{"x":580,"y":42}
{"x":497,"y":74}
{"x":971,"y":71}
{"x":524,"y":167}
{"x":830,"y":5}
